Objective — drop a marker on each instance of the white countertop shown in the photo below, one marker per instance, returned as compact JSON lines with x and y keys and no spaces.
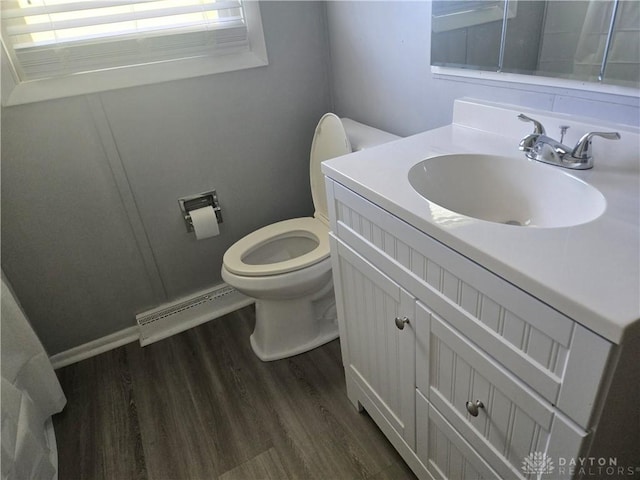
{"x":589,"y":272}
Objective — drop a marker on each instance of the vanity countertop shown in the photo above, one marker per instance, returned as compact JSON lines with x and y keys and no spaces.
{"x":589,"y":272}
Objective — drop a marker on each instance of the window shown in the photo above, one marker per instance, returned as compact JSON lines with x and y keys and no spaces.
{"x":57,"y":48}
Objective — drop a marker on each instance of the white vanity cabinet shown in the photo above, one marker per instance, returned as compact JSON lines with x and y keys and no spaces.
{"x":531,"y":375}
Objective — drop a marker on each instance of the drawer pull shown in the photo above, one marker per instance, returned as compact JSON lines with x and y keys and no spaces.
{"x":473,"y":407}
{"x":400,"y":322}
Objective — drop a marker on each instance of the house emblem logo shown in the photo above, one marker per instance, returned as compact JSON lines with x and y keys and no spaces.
{"x":537,"y":463}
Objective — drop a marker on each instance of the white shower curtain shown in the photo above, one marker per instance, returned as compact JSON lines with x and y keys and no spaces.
{"x":30,"y":395}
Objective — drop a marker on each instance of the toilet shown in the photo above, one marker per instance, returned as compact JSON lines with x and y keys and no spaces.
{"x":286,"y":266}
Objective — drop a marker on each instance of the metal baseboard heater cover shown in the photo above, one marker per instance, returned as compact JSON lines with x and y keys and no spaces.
{"x":188,"y":312}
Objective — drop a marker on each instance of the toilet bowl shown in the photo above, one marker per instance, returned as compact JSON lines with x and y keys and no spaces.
{"x":286,"y":266}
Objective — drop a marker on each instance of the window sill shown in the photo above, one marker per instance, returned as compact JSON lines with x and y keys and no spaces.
{"x":92,"y":82}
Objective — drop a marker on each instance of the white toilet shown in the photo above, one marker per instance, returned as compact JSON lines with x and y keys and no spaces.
{"x":286,"y":267}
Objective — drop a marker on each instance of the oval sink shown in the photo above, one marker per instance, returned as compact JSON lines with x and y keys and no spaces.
{"x":507,"y":190}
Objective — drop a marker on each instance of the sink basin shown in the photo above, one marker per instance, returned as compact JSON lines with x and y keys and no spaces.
{"x":508,"y":190}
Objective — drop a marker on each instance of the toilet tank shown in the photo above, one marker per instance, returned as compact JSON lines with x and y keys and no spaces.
{"x":335,"y":137}
{"x":363,"y":136}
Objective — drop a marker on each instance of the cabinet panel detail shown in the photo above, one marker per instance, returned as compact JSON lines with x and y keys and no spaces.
{"x":381,"y":356}
{"x":536,"y":375}
{"x":443,"y":450}
{"x":434,"y":269}
{"x":512,"y":421}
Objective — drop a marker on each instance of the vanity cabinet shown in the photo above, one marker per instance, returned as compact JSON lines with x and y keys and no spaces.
{"x":466,"y":374}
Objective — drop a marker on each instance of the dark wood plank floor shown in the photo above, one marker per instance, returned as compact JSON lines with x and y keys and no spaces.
{"x":201,"y":405}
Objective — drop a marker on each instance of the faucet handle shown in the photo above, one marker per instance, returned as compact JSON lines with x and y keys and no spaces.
{"x":538,"y":129}
{"x":528,"y":143}
{"x":582,"y":150}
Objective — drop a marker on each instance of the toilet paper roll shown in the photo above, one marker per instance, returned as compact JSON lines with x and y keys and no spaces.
{"x":205,"y":222}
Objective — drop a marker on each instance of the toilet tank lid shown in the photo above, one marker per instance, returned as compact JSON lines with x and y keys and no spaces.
{"x":363,"y":136}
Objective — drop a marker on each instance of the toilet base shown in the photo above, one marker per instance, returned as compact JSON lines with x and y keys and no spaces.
{"x":289,"y":327}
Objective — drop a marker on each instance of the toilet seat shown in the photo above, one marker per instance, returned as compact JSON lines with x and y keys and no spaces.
{"x":306,"y":228}
{"x":329,"y":141}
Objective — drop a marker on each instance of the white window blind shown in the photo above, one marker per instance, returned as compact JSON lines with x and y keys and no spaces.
{"x":53,"y":38}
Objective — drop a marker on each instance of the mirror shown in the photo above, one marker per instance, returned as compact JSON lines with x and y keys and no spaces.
{"x":595,"y":41}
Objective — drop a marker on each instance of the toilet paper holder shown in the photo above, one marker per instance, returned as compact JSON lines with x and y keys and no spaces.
{"x":200,"y":200}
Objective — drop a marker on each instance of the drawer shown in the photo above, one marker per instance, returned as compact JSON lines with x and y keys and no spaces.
{"x":443,"y":451}
{"x":541,"y":346}
{"x":511,"y":422}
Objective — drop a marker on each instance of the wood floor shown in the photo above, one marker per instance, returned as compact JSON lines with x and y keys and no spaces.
{"x":201,"y":405}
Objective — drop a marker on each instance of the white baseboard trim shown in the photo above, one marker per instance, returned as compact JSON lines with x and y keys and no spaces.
{"x":95,"y":347}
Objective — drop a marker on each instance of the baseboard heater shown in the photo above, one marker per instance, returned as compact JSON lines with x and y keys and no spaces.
{"x":188,"y":312}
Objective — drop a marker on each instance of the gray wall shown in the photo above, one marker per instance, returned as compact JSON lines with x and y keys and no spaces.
{"x":381,"y":74}
{"x":91,"y":229}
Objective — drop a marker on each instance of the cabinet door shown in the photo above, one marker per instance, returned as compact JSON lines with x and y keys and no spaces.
{"x":379,"y":357}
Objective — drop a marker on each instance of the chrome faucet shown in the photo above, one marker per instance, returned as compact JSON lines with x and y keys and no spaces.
{"x":538,"y":146}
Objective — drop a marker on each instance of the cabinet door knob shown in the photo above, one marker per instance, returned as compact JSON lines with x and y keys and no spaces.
{"x":400,"y":321}
{"x":473,"y":407}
